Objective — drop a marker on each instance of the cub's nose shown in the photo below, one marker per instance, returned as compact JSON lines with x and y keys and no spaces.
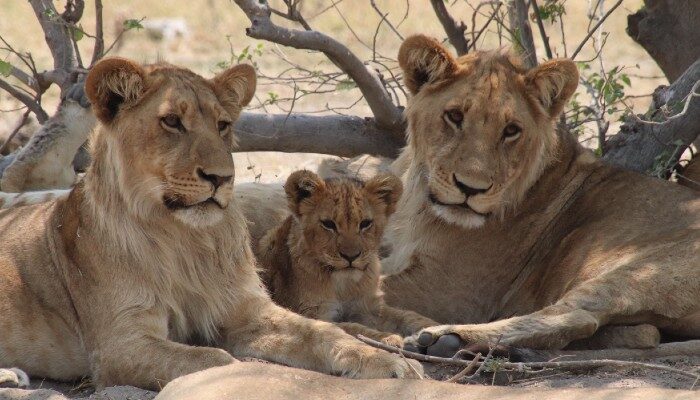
{"x":468,"y":190}
{"x":216,"y":180}
{"x":349,"y":258}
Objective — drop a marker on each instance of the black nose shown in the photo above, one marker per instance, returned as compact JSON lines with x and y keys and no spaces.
{"x":216,"y":180}
{"x":467,"y":190}
{"x":350,"y":258}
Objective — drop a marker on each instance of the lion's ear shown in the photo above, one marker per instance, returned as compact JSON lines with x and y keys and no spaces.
{"x":553,"y":83}
{"x":235,"y":87}
{"x":112,"y":84}
{"x":424,"y":60}
{"x":300,"y":186}
{"x":386,"y":188}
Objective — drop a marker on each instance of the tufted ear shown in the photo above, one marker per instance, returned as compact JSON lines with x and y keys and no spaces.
{"x":300,"y":186}
{"x":553,"y":83}
{"x":386,"y":188}
{"x":112,"y":84}
{"x":235,"y":87}
{"x":424,"y":60}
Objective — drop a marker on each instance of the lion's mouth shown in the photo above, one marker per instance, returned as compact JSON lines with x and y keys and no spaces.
{"x":175,"y":203}
{"x":463,"y":205}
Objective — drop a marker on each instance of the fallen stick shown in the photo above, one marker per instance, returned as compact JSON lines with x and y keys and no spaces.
{"x":581,"y":365}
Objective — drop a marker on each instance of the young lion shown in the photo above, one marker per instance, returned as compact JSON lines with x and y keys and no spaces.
{"x":150,"y":251}
{"x":323,"y":260}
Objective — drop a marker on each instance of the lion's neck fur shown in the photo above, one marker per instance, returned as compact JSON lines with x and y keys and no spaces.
{"x":296,"y":277}
{"x":182,"y":269}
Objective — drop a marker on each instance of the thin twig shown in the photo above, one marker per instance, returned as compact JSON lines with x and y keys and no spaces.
{"x":543,"y":33}
{"x":583,"y":365}
{"x":461,"y":374}
{"x":590,"y":33}
{"x":22,"y":121}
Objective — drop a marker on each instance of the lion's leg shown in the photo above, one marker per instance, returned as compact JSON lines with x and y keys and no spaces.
{"x":354,"y":329}
{"x":135,"y":351}
{"x":14,"y":378}
{"x":642,"y":336}
{"x":259,"y":328}
{"x":404,"y":322}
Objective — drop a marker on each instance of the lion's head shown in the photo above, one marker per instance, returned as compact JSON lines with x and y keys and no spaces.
{"x":166,"y":136}
{"x":342,"y":219}
{"x":481,"y":128}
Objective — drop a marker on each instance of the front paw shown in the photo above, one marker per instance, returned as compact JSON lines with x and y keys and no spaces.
{"x":393,"y":341}
{"x":365,"y":362}
{"x":13,"y":378}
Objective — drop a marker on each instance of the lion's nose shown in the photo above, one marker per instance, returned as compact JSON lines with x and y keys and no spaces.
{"x":468,"y":190}
{"x":349,"y":258}
{"x":216,"y":180}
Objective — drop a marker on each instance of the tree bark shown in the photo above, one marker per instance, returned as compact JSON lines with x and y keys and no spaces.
{"x":454,"y":30}
{"x":668,"y":31}
{"x":345,"y":136}
{"x":522,"y":32}
{"x":640,"y":143}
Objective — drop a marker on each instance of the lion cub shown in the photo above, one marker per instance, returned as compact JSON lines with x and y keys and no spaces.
{"x":323,"y":260}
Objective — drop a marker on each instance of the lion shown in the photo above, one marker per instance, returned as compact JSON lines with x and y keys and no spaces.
{"x":509,"y":228}
{"x":322,"y":261}
{"x":144,"y":273}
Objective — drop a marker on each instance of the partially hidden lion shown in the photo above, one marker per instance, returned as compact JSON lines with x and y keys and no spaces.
{"x":509,"y":228}
{"x":144,"y":272}
{"x":322,"y":261}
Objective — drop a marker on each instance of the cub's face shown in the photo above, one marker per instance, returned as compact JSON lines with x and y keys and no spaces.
{"x":342,"y":219}
{"x":171,"y":134}
{"x":481,"y":128}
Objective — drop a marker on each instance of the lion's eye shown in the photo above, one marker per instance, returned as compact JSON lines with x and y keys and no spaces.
{"x":172,"y":121}
{"x":223,"y":125}
{"x":511,"y":131}
{"x":455,"y":116}
{"x":328,"y":224}
{"x":365,"y":224}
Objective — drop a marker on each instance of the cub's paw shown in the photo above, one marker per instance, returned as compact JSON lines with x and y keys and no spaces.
{"x":393,"y":340}
{"x":13,"y":378}
{"x":365,"y":362}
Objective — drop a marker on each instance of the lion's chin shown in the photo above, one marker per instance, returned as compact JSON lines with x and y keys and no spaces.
{"x":200,"y":216}
{"x":458,"y":215}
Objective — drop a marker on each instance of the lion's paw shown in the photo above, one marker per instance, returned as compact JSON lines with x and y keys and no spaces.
{"x":393,"y":340}
{"x":364,"y":362}
{"x":13,"y":378}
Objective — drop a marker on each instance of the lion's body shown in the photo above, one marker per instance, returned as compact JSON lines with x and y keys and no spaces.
{"x":302,"y":274}
{"x":505,"y":219}
{"x":150,"y":252}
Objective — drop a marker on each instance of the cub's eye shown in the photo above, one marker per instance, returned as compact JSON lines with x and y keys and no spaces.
{"x":172,"y":121}
{"x":223,"y":125}
{"x":365,"y":224}
{"x":455,"y":116}
{"x":328,"y":224}
{"x":511,"y":132}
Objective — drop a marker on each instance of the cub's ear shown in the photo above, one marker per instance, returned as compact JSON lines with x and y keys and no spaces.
{"x":113,"y":84}
{"x":385,"y":188}
{"x":300,"y":186}
{"x":553,"y":83}
{"x":424,"y":60}
{"x":235,"y":87}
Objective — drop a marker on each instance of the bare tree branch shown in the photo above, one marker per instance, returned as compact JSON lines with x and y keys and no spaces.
{"x":640,"y":143}
{"x":25,"y":99}
{"x":98,"y":50}
{"x":540,"y":25}
{"x":387,"y":115}
{"x":455,"y":31}
{"x":345,"y":136}
{"x":56,"y":35}
{"x":520,"y":28}
{"x":595,"y":28}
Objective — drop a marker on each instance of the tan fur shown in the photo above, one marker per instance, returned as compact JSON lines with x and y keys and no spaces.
{"x":150,"y":253}
{"x":303,"y":264}
{"x":555,"y":244}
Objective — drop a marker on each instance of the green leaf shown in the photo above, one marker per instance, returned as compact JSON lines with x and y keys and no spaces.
{"x":346,"y":84}
{"x":130,"y":24}
{"x":626,"y":79}
{"x":5,"y":68}
{"x":77,"y":33}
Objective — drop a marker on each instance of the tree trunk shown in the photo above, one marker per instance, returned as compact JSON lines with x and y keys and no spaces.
{"x":668,"y":31}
